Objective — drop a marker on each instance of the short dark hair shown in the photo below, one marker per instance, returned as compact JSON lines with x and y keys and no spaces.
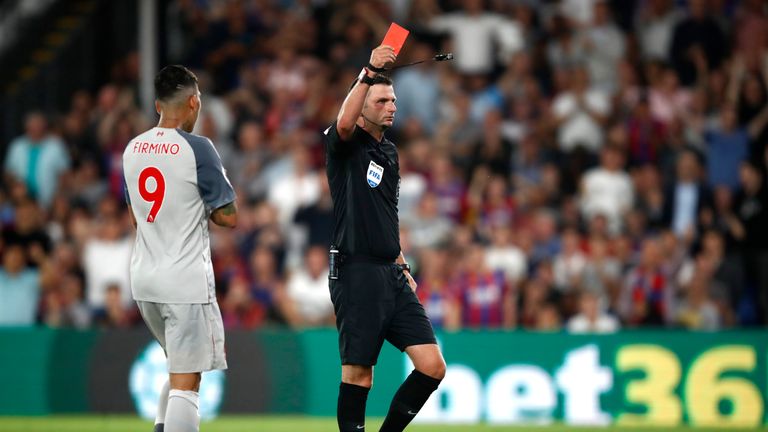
{"x":377,"y":79}
{"x":172,"y":79}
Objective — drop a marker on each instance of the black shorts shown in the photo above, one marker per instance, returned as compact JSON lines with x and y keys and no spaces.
{"x":373,"y":303}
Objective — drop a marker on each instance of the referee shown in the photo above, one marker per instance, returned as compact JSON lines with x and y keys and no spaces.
{"x":371,"y":286}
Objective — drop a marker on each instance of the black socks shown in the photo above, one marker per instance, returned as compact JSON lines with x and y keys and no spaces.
{"x":351,"y":409}
{"x":408,"y":400}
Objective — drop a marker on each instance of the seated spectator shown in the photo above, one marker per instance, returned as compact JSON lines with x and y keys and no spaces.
{"x":647,"y":297}
{"x":267,"y":284}
{"x":601,"y":275}
{"x":607,"y":189}
{"x":592,"y":317}
{"x":751,"y":204}
{"x":687,"y":197}
{"x":106,"y":260}
{"x":434,"y":291}
{"x":645,"y":134}
{"x":297,"y":188}
{"x":28,"y":230}
{"x":502,"y":254}
{"x":429,"y":228}
{"x":19,"y":288}
{"x":579,"y":114}
{"x":239,"y":310}
{"x":37,"y":159}
{"x":602,"y":44}
{"x":697,"y":310}
{"x":65,"y":307}
{"x":317,"y":217}
{"x":308,"y":299}
{"x":727,"y":148}
{"x":485,"y":299}
{"x":548,"y":318}
{"x":569,"y":264}
{"x":114,"y":313}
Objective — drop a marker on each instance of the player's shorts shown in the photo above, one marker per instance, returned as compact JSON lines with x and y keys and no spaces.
{"x":192,"y":335}
{"x":374,"y":303}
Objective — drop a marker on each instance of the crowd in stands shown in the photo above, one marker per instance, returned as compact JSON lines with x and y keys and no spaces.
{"x":586,"y":165}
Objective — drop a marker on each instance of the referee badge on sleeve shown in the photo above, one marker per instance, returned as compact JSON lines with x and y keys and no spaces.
{"x":375,"y":174}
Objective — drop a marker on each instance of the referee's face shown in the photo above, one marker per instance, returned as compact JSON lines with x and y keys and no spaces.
{"x":380,"y":105}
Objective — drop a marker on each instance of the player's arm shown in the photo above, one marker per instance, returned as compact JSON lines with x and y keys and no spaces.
{"x":350,"y":110}
{"x":225,"y":216}
{"x":215,"y":189}
{"x":133,"y":218}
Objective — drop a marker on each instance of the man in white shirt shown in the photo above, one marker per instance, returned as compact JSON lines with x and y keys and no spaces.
{"x":607,"y":189}
{"x":591,"y":317}
{"x":579,"y":114}
{"x":308,"y":290}
{"x":477,"y":34}
{"x":175,"y":183}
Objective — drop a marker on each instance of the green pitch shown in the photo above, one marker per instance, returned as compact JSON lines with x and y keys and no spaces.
{"x":95,"y":423}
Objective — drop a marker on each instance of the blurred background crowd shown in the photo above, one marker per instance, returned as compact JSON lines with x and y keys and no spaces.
{"x":585,"y":165}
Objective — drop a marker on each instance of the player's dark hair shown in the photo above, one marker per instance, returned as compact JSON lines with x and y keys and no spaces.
{"x":172,"y":79}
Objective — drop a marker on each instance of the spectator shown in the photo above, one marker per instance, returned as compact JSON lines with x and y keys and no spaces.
{"x":418,"y":91}
{"x":28,"y":231}
{"x":19,"y":288}
{"x":569,"y":263}
{"x":428,"y":229}
{"x":475,"y":32}
{"x":579,"y":114}
{"x":309,"y":302}
{"x":645,"y":135}
{"x":601,"y":275}
{"x":697,"y":35}
{"x":727,"y":148}
{"x":503,"y":255}
{"x":687,"y":197}
{"x":317,"y":217}
{"x":485,"y":298}
{"x":239,"y":310}
{"x":298,"y":188}
{"x":602,"y":44}
{"x":65,"y":307}
{"x":751,"y":204}
{"x":655,"y":25}
{"x":434,"y":291}
{"x":37,"y":159}
{"x":607,"y":190}
{"x":114,"y":313}
{"x":592,"y":317}
{"x":698,"y":311}
{"x":647,"y":295}
{"x":106,"y":259}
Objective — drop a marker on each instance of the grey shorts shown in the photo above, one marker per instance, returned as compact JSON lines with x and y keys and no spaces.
{"x":192,"y":335}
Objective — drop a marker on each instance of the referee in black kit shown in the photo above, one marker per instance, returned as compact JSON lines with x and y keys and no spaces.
{"x":371,"y":286}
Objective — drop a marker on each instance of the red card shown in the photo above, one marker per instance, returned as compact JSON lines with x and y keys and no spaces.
{"x":395,"y":37}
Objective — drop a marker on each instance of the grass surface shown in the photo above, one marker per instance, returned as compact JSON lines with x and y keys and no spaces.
{"x":95,"y":423}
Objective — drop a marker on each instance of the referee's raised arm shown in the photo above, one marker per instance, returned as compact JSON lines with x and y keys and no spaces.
{"x":351,"y":109}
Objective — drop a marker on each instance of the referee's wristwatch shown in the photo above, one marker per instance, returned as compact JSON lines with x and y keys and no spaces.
{"x":405,"y":267}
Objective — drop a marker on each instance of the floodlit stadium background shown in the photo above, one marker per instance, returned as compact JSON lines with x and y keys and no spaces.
{"x":583,"y":200}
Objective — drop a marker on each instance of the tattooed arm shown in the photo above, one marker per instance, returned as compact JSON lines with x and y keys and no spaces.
{"x":225,"y":216}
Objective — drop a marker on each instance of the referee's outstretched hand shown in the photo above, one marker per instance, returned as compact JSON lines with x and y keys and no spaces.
{"x":382,"y":55}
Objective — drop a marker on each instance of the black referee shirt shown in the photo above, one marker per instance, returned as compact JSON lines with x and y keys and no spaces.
{"x":364,"y":178}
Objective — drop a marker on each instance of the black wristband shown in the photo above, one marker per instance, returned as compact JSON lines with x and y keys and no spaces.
{"x":375,"y":69}
{"x":365,"y":79}
{"x":405,"y":267}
